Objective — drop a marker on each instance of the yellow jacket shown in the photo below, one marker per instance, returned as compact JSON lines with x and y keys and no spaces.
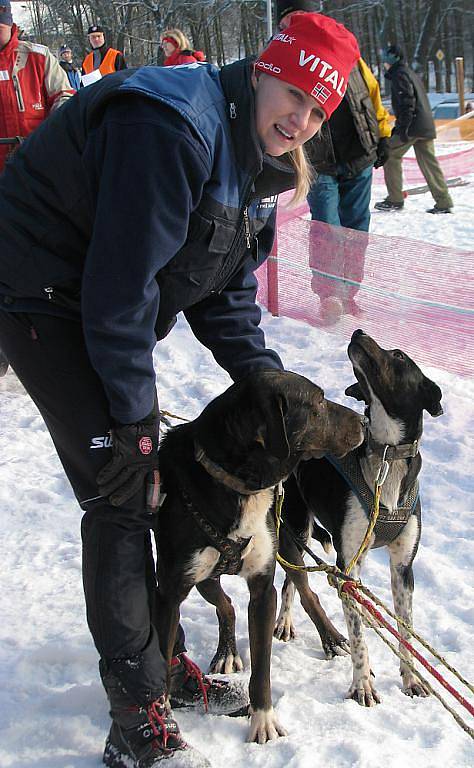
{"x":383,"y":116}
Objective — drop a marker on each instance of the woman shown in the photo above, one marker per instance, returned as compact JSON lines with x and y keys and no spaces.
{"x":177,"y":49}
{"x":90,"y":281}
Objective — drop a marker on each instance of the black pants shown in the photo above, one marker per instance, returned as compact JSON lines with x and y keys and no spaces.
{"x":49,"y":356}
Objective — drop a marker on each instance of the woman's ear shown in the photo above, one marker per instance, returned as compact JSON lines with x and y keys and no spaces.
{"x":254,"y":77}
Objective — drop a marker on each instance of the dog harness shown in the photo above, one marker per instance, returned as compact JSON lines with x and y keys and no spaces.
{"x":390,"y":523}
{"x":231,"y":550}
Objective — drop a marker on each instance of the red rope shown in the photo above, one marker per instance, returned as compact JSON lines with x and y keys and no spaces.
{"x":351,"y":589}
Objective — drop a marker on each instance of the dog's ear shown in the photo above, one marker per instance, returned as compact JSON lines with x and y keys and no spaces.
{"x":432,"y":397}
{"x":272,"y":433}
{"x":355,"y":391}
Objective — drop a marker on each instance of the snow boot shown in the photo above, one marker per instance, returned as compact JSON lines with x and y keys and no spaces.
{"x":387,"y":205}
{"x":437,"y":209}
{"x":190,"y":688}
{"x":145,"y":737}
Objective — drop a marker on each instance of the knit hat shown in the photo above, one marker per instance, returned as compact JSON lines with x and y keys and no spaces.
{"x":314,"y":53}
{"x":283,"y":7}
{"x":392,"y":54}
{"x":93,"y":28}
{"x":64,"y":48}
{"x":6,"y":13}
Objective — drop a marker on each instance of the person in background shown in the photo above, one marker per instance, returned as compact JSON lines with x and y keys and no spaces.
{"x":73,"y":73}
{"x":103,"y":279}
{"x":177,"y":49}
{"x":349,"y":145}
{"x":414,"y":127}
{"x":32,"y":84}
{"x":102,"y":57}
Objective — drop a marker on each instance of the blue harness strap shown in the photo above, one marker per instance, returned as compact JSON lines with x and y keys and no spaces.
{"x":390,"y":523}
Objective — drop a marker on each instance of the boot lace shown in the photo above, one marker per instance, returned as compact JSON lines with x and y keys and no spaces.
{"x":156,"y":718}
{"x":192,"y":672}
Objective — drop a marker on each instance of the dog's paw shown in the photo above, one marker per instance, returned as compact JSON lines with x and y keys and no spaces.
{"x":264,"y":726}
{"x":412,"y":686}
{"x":363,"y":692}
{"x":284,"y":628}
{"x":226,"y":662}
{"x":335,"y":645}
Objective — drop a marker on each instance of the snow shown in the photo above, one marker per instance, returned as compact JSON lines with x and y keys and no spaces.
{"x":53,"y":712}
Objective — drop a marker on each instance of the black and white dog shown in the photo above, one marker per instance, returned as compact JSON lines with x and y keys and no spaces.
{"x":219,"y":473}
{"x":339,"y":494}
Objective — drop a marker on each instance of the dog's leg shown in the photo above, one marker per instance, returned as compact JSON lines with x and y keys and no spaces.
{"x":168,"y":602}
{"x":226,"y":659}
{"x":334,"y":644}
{"x":264,"y":725}
{"x":284,"y":627}
{"x":362,"y":689}
{"x":401,"y":570}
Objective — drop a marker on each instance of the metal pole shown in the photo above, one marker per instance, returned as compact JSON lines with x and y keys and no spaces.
{"x":460,"y":83}
{"x":269,"y":20}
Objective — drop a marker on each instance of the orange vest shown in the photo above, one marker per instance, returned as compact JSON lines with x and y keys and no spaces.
{"x":107,"y":66}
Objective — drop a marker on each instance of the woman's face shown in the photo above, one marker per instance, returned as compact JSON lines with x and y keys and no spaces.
{"x":168,"y":48}
{"x":286,"y":116}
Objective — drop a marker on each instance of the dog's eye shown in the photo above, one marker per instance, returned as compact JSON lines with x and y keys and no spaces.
{"x":399,"y":355}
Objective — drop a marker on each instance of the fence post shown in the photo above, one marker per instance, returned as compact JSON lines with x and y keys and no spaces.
{"x":460,"y":83}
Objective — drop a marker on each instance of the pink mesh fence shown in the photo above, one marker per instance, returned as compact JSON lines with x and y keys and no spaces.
{"x":405,"y":293}
{"x":453,"y":164}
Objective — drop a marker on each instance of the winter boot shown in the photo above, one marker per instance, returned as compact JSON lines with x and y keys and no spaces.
{"x":145,"y":737}
{"x":437,"y":209}
{"x":190,"y":688}
{"x":387,"y":205}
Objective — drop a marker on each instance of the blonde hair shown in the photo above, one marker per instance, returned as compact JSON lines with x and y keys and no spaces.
{"x":181,"y":40}
{"x":304,"y":174}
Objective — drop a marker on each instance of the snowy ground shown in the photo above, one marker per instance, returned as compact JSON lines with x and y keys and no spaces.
{"x":53,"y":712}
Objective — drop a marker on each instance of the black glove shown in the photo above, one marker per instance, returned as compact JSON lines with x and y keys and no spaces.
{"x":402,"y":133}
{"x":134,"y":462}
{"x":383,"y":152}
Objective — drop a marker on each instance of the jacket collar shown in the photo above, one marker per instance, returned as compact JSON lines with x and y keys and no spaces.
{"x":393,"y":70}
{"x":272,"y":175}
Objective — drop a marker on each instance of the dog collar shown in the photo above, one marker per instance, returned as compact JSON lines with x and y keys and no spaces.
{"x":392,"y":452}
{"x":219,"y":473}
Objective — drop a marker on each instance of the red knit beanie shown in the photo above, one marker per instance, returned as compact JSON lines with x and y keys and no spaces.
{"x":316,"y":54}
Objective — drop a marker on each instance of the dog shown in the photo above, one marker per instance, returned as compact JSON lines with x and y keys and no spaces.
{"x":219,"y":473}
{"x":339,"y":495}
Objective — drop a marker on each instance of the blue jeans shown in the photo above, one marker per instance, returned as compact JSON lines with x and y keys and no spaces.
{"x":342,"y":200}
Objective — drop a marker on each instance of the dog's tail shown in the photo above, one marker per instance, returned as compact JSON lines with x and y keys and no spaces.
{"x":321,"y":535}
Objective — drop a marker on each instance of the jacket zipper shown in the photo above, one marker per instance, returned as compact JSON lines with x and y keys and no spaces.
{"x":19,"y":96}
{"x":49,"y":292}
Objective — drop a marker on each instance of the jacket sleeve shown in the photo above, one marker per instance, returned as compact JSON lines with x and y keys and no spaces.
{"x":227,"y":323}
{"x":120,"y":62}
{"x":406,"y":98}
{"x":56,"y":83}
{"x":141,"y":220}
{"x":383,"y":116}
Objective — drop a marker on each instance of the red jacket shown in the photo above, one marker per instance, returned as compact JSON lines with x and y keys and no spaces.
{"x":183,"y":57}
{"x":32,"y":84}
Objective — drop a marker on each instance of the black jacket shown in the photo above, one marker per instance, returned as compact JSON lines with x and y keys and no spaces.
{"x":351,"y":135}
{"x":410,"y":103}
{"x":159,"y":165}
